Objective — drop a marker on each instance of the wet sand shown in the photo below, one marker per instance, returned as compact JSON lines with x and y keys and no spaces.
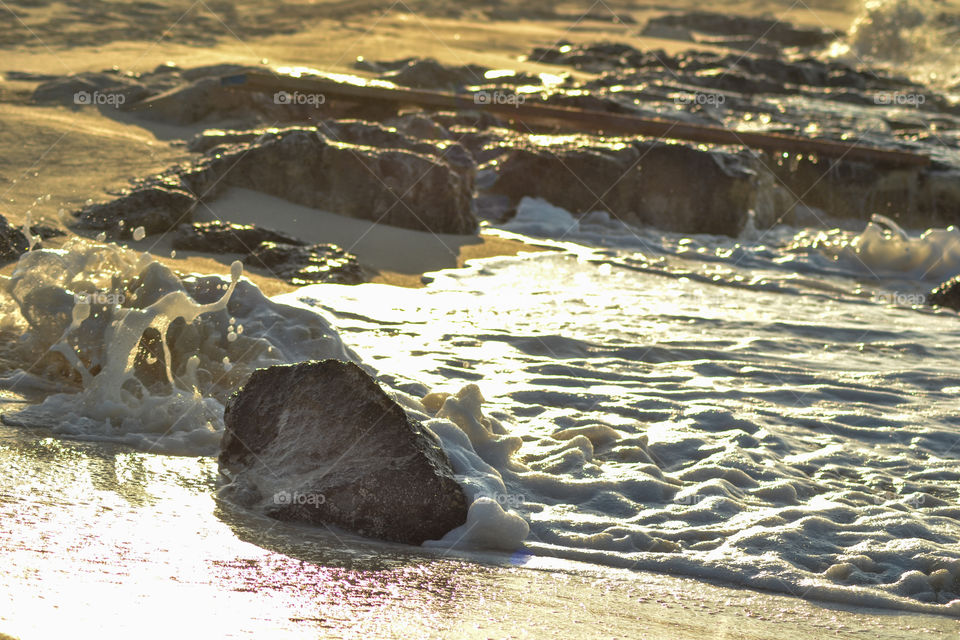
{"x":112,"y":543}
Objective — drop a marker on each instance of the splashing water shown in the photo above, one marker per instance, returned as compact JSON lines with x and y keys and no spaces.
{"x":883,"y":249}
{"x":915,"y":35}
{"x":138,"y":354}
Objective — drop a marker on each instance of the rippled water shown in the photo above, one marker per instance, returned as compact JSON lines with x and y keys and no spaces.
{"x":703,"y":408}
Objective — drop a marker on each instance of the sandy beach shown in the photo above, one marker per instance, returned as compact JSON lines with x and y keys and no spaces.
{"x":106,"y":540}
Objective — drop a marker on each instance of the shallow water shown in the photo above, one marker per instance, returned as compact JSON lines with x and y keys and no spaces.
{"x":726,"y":417}
{"x":107,"y":542}
{"x":765,"y":411}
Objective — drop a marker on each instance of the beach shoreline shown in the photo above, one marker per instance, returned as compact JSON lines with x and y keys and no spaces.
{"x":140,"y":514}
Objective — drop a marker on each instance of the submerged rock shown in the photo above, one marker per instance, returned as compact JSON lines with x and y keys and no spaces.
{"x":301,"y":265}
{"x":946,"y":295}
{"x":321,"y":443}
{"x":225,"y":237}
{"x":157,"y":209}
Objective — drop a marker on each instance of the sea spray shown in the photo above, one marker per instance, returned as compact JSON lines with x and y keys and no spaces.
{"x":917,"y":36}
{"x":139,"y":354}
{"x":883,"y":248}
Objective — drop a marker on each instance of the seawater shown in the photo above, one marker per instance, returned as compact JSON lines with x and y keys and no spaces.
{"x":761,"y":411}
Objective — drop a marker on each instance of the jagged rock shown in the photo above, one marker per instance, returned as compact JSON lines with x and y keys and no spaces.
{"x":392,"y":186}
{"x":207,"y":98}
{"x":674,"y":187}
{"x":321,"y":443}
{"x":12,"y":241}
{"x":157,"y":209}
{"x":914,"y":197}
{"x":946,"y":295}
{"x":301,"y":265}
{"x":225,"y":237}
{"x":45,"y":233}
{"x":760,"y":29}
{"x":419,"y":125}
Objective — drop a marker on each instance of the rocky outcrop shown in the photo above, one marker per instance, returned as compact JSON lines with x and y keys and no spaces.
{"x":226,"y":237}
{"x":403,"y":188}
{"x":946,"y":295}
{"x":762,"y":30}
{"x":321,"y":443}
{"x":675,"y":187}
{"x":173,"y":95}
{"x":107,"y":88}
{"x":301,"y":265}
{"x":156,"y":208}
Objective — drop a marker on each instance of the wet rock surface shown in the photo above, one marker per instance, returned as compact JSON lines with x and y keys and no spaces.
{"x":321,"y":443}
{"x":173,"y":95}
{"x":302,"y":265}
{"x":764,"y":30}
{"x":157,"y":209}
{"x":225,"y":237}
{"x":946,"y":295}
{"x":395,"y":186}
{"x":434,"y":171}
{"x":670,"y":186}
{"x":13,"y":242}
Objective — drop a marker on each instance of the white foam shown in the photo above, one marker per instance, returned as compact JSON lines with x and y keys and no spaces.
{"x":766,"y":439}
{"x":883,"y":248}
{"x":537,"y":217}
{"x":83,"y":310}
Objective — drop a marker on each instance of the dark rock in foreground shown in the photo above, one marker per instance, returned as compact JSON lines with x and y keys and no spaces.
{"x":946,"y":295}
{"x":157,"y":209}
{"x":321,"y":443}
{"x":12,"y":242}
{"x":225,"y":237}
{"x":301,"y":265}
